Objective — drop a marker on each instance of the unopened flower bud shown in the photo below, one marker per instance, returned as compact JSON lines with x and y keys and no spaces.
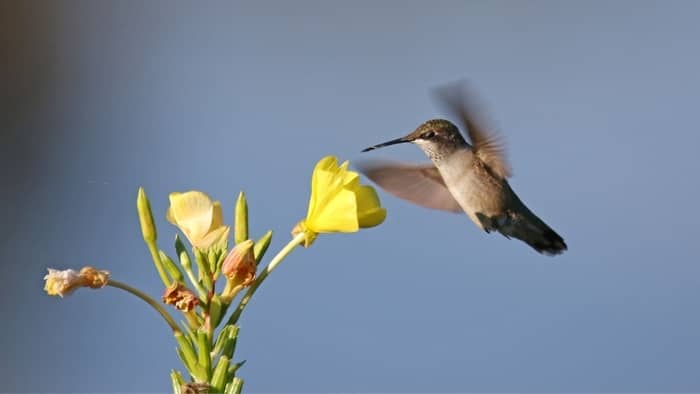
{"x":239,"y":268}
{"x":240,"y":231}
{"x":148,"y":228}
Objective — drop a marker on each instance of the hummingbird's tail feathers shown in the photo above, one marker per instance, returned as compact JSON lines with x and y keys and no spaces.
{"x":534,"y":232}
{"x":549,"y":243}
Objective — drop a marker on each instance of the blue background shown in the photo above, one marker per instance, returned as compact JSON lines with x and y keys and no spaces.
{"x":598,"y":102}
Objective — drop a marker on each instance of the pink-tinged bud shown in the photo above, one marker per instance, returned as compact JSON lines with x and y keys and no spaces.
{"x":181,"y":297}
{"x":239,"y":268}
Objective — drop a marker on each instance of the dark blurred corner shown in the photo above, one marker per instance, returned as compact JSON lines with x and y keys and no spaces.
{"x":27,"y":71}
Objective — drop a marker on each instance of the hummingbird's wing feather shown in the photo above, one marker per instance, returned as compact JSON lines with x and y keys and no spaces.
{"x":488,"y":146}
{"x":419,"y":184}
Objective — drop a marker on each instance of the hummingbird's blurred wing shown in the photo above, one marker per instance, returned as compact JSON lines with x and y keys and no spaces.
{"x":487,"y":146}
{"x":419,"y":184}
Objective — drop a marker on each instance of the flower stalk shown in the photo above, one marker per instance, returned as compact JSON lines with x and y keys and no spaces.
{"x":150,"y":301}
{"x":296,"y":241}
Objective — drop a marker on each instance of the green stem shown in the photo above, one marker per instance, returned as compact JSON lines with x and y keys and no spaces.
{"x":159,"y":264}
{"x":298,"y":239}
{"x":150,"y":301}
{"x":198,"y":287}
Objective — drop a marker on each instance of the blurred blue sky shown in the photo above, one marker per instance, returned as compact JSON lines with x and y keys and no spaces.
{"x":598,"y":102}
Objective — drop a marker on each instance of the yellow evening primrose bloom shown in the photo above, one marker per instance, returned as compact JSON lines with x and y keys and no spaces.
{"x":200,"y":219}
{"x":339,"y":203}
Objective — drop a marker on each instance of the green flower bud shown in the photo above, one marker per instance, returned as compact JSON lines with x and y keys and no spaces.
{"x":261,"y":246}
{"x":148,"y":228}
{"x":240,"y":232}
{"x":180,"y":249}
{"x":171,"y":267}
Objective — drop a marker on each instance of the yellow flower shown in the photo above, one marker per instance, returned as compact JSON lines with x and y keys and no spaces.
{"x":64,"y":282}
{"x":200,"y":219}
{"x":338,"y":202}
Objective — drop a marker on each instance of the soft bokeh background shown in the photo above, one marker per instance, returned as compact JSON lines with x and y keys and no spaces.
{"x":598,"y":102}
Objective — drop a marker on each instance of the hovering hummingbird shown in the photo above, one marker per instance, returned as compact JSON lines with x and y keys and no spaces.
{"x":464,"y":177}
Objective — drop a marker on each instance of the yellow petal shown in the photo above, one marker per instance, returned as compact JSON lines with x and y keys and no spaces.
{"x":321,"y":182}
{"x":217,"y":219}
{"x":338,"y":202}
{"x":192,"y":212}
{"x":369,"y":210}
{"x":349,"y":178}
{"x":213,"y":238}
{"x":339,"y":214}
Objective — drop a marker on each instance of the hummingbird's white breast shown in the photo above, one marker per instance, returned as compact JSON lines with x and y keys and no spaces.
{"x":475,"y":190}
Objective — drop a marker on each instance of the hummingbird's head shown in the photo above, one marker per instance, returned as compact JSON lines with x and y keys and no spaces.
{"x":437,"y":138}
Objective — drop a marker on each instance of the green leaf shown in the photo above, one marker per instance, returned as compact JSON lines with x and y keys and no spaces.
{"x":236,"y":386}
{"x":177,"y":380}
{"x":221,"y":339}
{"x":212,"y":259}
{"x":230,"y":345}
{"x":216,"y":310}
{"x":218,"y":378}
{"x":186,"y":352}
{"x":203,"y":268}
{"x":204,"y":352}
{"x":232,"y":370}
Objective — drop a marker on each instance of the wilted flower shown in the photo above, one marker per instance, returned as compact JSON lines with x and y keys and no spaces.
{"x":180,"y":296}
{"x":239,"y":269}
{"x":61,"y":283}
{"x":64,"y":282}
{"x":200,"y":219}
{"x":338,"y":202}
{"x":94,"y":278}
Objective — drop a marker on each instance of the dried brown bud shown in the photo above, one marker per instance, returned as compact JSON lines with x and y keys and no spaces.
{"x":94,"y":278}
{"x":180,"y":296}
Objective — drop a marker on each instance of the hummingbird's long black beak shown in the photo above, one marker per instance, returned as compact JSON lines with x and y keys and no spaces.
{"x":392,"y":142}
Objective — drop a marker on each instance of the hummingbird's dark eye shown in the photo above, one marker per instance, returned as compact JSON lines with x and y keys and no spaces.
{"x":427,"y":135}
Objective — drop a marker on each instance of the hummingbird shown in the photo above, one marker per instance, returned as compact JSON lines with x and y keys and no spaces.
{"x":464,"y":177}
